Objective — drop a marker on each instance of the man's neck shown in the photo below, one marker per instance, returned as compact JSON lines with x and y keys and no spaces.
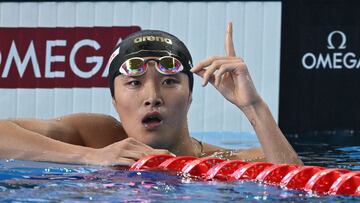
{"x":186,"y":147}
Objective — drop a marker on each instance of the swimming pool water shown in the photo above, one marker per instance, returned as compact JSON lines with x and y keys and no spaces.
{"x":27,"y":181}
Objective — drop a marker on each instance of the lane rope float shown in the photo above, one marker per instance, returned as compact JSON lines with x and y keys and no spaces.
{"x":313,"y":179}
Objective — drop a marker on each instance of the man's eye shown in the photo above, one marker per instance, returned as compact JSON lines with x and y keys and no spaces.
{"x":134,"y":83}
{"x":170,"y":81}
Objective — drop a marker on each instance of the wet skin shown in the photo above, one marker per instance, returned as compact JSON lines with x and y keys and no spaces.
{"x":102,"y":140}
{"x":166,"y":96}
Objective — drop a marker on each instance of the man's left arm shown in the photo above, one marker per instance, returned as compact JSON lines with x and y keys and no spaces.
{"x":230,"y":76}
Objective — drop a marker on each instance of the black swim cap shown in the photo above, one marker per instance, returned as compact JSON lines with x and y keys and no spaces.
{"x":149,"y":43}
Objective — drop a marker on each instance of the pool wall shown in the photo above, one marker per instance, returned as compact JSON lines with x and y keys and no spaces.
{"x":201,"y":25}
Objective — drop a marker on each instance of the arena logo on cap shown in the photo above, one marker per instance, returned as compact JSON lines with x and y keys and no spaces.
{"x":334,"y":58}
{"x":58,"y":57}
{"x":152,"y":38}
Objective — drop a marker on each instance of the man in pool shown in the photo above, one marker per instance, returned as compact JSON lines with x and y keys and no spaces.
{"x":151,"y":79}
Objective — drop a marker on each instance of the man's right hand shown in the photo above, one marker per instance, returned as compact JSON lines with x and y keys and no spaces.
{"x":123,"y":153}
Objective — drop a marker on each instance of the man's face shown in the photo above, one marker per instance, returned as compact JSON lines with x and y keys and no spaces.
{"x":153,"y":107}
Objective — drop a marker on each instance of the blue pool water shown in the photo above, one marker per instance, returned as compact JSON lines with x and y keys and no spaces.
{"x":27,"y":181}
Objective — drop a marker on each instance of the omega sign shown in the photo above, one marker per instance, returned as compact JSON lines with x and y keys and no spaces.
{"x":57,"y":57}
{"x":335,"y":58}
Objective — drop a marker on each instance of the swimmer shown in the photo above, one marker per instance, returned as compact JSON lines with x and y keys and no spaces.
{"x":151,"y":82}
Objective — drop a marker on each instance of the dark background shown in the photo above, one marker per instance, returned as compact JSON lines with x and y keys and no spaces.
{"x":318,"y":99}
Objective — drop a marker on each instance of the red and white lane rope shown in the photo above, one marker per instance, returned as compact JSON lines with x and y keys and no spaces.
{"x":309,"y":178}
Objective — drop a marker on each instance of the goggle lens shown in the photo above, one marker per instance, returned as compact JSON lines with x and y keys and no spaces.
{"x":136,"y":66}
{"x":170,"y":65}
{"x":133,"y":67}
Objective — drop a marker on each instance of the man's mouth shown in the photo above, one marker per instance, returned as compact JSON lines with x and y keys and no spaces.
{"x":152,"y":120}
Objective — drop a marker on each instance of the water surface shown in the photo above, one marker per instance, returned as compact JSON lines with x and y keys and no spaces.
{"x":27,"y":181}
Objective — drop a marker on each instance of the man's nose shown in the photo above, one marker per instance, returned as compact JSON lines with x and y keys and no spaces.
{"x":153,"y":102}
{"x":153,"y":94}
{"x":154,"y":98}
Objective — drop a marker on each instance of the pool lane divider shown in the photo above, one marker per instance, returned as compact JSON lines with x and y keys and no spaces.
{"x":313,"y":179}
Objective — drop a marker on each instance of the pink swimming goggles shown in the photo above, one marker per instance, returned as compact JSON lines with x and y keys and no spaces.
{"x":136,"y":66}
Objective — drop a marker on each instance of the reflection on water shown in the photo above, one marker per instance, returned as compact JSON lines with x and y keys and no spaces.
{"x":41,"y":181}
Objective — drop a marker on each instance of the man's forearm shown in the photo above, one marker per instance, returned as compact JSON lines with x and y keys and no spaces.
{"x":274,"y":144}
{"x":19,"y":143}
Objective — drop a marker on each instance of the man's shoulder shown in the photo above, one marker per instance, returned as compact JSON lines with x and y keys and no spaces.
{"x":96,"y":130}
{"x":89,"y":123}
{"x":88,"y":117}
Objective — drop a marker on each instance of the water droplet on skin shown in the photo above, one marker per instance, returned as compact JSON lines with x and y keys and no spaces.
{"x":223,"y":154}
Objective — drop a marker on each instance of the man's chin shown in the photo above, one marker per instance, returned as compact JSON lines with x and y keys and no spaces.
{"x":157,"y":141}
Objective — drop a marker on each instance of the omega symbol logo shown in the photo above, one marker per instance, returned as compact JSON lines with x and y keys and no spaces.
{"x":330,"y":40}
{"x":335,"y":57}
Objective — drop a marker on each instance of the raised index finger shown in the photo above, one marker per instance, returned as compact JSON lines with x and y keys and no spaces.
{"x":229,"y":44}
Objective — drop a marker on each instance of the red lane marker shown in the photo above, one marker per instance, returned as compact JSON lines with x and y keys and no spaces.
{"x":134,"y":166}
{"x":249,"y":171}
{"x":347,"y":184}
{"x":310,"y":178}
{"x":199,"y":167}
{"x":298,"y":178}
{"x":223,"y":170}
{"x":357,"y":192}
{"x":176,"y":163}
{"x":321,"y":181}
{"x":275,"y":173}
{"x":150,"y":162}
